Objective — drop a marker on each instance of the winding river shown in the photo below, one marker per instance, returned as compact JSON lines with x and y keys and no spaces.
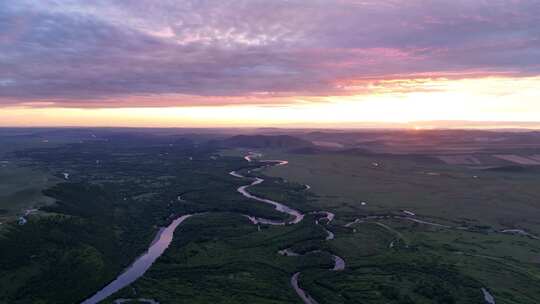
{"x":339,"y":263}
{"x":165,"y":236}
{"x":297,"y":216}
{"x":161,"y":242}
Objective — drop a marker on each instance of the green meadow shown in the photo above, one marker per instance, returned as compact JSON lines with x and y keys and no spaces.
{"x":395,"y":252}
{"x":108,"y":212}
{"x":21,"y":188}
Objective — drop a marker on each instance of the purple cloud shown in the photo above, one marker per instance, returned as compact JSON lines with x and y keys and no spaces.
{"x":98,"y":52}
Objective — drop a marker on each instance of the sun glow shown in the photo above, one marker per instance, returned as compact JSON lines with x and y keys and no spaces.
{"x":486,"y":99}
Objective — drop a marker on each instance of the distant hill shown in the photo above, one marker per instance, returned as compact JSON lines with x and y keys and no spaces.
{"x":266,"y":141}
{"x":515,"y":169}
{"x":307,"y":150}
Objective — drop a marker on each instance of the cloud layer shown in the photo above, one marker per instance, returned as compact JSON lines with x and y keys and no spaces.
{"x":188,"y":52}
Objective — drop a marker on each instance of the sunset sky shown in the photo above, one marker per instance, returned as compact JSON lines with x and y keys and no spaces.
{"x":264,"y":63}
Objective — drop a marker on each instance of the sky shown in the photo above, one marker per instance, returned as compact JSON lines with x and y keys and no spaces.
{"x":264,"y":63}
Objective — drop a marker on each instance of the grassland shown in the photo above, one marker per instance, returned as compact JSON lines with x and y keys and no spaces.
{"x":108,"y":211}
{"x":480,"y":203}
{"x":223,"y":258}
{"x":233,"y":262}
{"x":22,"y":188}
{"x":120,"y":191}
{"x":501,"y":200}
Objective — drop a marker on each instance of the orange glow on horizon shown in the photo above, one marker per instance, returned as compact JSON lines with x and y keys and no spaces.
{"x":483,"y":99}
